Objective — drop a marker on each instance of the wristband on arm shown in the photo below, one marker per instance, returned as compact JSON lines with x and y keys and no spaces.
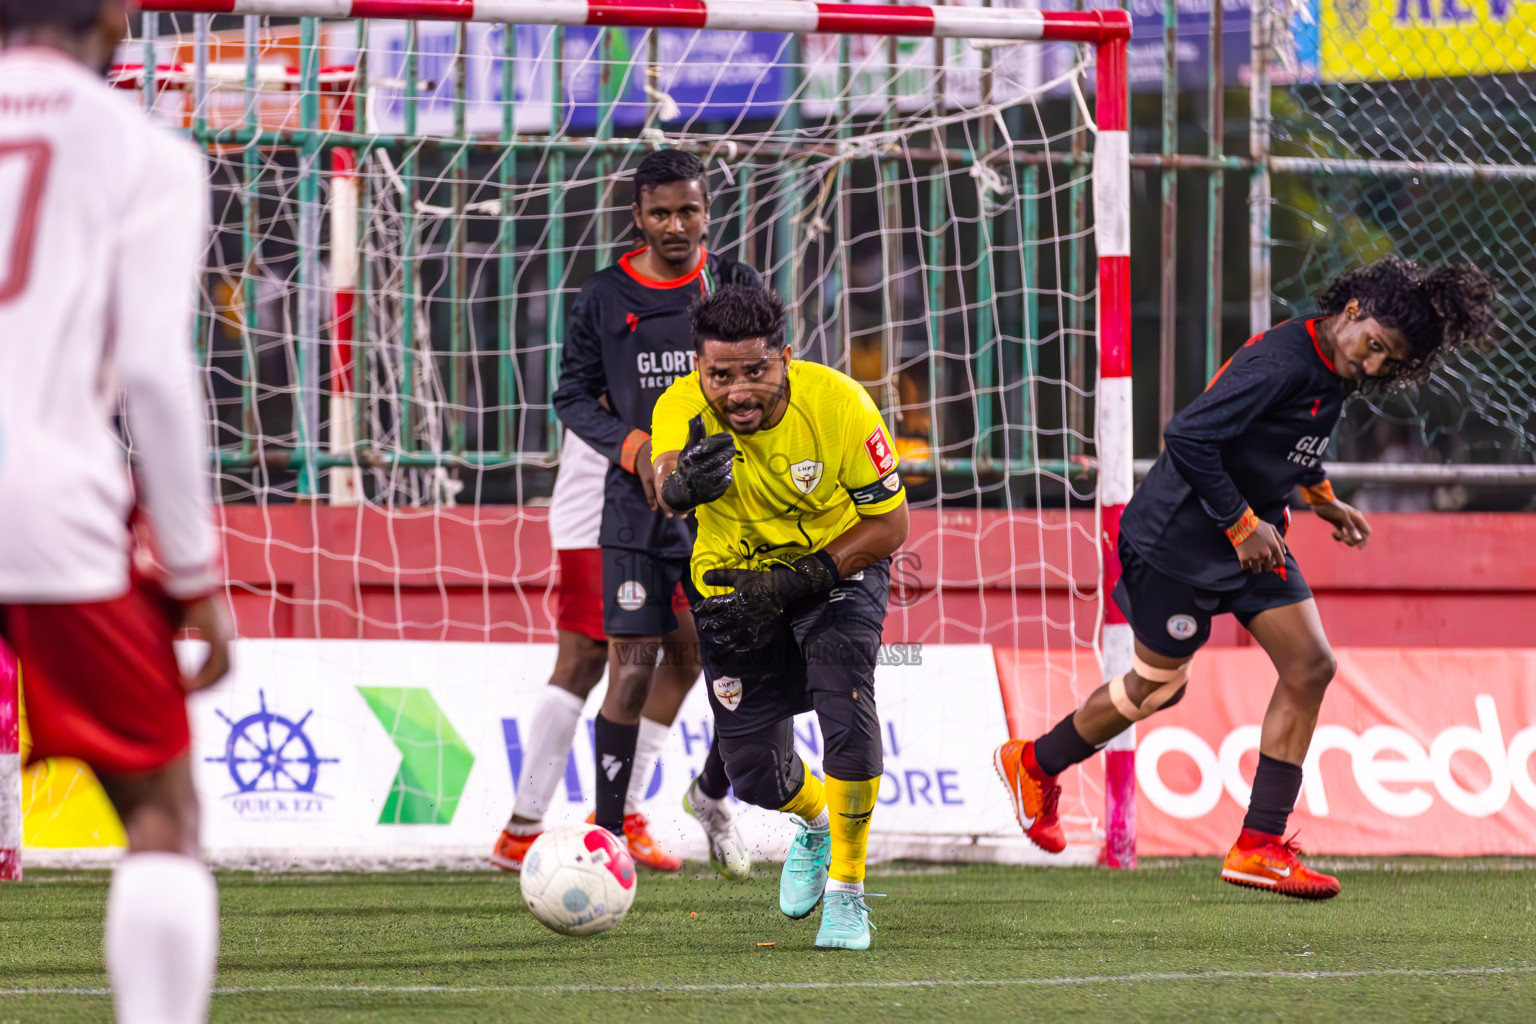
{"x":1321,"y":494}
{"x":631,"y":450}
{"x":1243,"y":528}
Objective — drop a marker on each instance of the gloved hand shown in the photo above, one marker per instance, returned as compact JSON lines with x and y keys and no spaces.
{"x":738,"y":619}
{"x":703,"y":470}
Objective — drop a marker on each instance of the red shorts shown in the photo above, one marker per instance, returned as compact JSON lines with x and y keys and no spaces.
{"x":580,"y":605}
{"x":100,"y":680}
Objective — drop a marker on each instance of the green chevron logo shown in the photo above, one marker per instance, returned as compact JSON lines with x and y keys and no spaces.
{"x":434,"y":761}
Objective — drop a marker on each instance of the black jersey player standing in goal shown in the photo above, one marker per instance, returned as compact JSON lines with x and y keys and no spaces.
{"x":628,"y":340}
{"x":792,"y":476}
{"x":1205,"y":534}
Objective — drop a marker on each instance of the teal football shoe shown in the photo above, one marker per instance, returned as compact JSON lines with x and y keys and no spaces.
{"x":805,"y":871}
{"x":844,"y":922}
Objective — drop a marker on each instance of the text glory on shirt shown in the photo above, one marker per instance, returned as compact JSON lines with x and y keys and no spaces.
{"x":629,"y":339}
{"x":1257,"y":433}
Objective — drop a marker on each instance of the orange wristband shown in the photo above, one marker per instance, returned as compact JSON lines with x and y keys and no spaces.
{"x":1319,"y":495}
{"x":631,"y":451}
{"x":1243,"y":528}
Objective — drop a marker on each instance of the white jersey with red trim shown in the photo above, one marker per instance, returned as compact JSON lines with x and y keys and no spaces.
{"x":576,"y":507}
{"x":103,"y":220}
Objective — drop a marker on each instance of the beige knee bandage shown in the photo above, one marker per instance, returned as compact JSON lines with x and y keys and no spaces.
{"x":1173,"y":679}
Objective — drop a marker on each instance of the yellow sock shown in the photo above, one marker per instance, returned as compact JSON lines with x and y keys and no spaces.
{"x":811,"y":800}
{"x":850,"y":805}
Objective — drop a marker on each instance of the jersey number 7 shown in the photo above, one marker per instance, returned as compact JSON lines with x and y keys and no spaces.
{"x":23,"y":172}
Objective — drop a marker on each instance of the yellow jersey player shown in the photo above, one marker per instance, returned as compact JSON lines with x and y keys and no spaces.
{"x":792,"y":476}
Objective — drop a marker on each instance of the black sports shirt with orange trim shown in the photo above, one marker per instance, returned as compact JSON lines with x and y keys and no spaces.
{"x":1257,"y":433}
{"x":628,"y":339}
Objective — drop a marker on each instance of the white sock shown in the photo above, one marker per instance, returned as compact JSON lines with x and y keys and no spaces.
{"x":833,"y":885}
{"x":162,"y":938}
{"x":822,"y":820}
{"x":546,"y":746}
{"x":648,"y":745}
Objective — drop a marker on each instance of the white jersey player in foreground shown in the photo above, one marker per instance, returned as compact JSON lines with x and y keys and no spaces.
{"x":102,"y":226}
{"x":575,"y":516}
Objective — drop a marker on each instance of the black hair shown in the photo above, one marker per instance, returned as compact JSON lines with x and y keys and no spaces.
{"x":1437,"y":309}
{"x":737,"y":313}
{"x":664,"y":166}
{"x":75,"y":16}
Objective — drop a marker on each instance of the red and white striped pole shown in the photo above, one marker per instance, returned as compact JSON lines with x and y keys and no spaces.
{"x":346,"y":485}
{"x":1112,"y":232}
{"x":10,"y":765}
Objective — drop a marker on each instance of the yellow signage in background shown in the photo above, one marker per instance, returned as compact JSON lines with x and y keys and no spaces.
{"x":62,"y":804}
{"x":1363,"y":40}
{"x":64,"y":807}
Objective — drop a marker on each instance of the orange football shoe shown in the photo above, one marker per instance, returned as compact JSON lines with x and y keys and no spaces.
{"x":1034,"y":794}
{"x":1265,"y":861}
{"x":510,"y":850}
{"x":637,"y":833}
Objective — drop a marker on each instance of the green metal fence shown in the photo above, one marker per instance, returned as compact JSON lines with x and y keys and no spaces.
{"x":922,"y":208}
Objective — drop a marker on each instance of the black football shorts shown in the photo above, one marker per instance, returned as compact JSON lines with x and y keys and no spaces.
{"x":639,"y":591}
{"x":829,"y":642}
{"x":1173,"y":618}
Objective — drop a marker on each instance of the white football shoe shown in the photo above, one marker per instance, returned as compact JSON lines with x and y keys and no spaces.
{"x":727,"y":853}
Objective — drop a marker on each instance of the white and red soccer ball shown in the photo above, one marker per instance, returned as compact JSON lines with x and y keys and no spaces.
{"x":578,"y":879}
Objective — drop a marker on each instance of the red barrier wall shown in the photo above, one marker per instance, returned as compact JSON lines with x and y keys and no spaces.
{"x":1465,"y":580}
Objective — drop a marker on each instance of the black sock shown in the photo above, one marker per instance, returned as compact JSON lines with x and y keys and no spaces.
{"x":713,"y":781}
{"x":1062,"y":747}
{"x":614,"y":748}
{"x":1275,"y":786}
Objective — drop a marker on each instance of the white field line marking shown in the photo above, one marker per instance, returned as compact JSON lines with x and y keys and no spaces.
{"x":758,"y":986}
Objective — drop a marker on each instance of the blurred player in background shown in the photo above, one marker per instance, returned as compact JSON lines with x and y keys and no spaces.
{"x":1205,"y":534}
{"x":102,"y":228}
{"x":791,"y":473}
{"x":575,"y":516}
{"x":627,"y":341}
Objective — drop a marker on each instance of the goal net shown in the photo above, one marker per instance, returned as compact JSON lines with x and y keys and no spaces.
{"x":403,"y":213}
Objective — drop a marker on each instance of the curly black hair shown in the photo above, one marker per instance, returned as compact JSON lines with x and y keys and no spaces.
{"x":71,"y":15}
{"x":737,"y":313}
{"x":664,"y":166}
{"x":1437,"y":309}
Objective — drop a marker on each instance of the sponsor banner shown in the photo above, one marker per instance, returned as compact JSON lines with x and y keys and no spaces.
{"x":394,"y":750}
{"x":1294,"y":57}
{"x":1365,"y":40}
{"x":1426,"y":750}
{"x":705,"y":74}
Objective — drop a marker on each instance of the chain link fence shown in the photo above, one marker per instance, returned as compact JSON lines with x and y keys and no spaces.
{"x":1418,"y":137}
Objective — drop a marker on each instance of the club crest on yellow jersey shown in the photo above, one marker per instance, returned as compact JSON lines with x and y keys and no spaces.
{"x":806,"y":475}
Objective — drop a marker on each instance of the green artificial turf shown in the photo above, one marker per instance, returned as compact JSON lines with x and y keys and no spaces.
{"x":1407,"y":941}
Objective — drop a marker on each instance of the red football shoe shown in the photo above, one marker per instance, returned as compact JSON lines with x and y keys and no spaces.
{"x":1265,"y":861}
{"x":1034,"y":794}
{"x":644,"y":849}
{"x":510,"y":850}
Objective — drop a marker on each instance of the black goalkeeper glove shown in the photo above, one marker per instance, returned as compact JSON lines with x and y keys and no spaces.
{"x":737,"y":619}
{"x":703,"y":470}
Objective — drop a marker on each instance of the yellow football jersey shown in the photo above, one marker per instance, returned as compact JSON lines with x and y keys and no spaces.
{"x":796,"y":485}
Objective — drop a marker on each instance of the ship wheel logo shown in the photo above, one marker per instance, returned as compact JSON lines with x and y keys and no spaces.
{"x":270,"y":753}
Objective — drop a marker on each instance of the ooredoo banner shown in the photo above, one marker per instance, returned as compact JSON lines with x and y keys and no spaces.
{"x":1417,"y":750}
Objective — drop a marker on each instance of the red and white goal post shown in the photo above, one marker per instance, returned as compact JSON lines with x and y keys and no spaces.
{"x":1106,"y":32}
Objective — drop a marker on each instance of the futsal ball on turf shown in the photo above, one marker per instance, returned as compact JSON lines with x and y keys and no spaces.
{"x":578,"y":879}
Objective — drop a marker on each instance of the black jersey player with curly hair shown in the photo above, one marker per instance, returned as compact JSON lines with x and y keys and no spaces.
{"x":1205,"y":534}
